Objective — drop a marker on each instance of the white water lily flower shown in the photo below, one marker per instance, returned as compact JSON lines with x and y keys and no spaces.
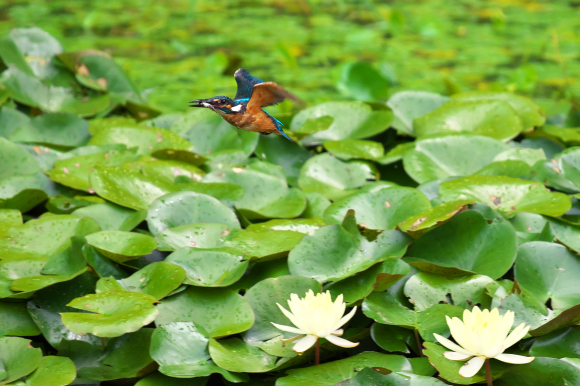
{"x":316,"y":316}
{"x":483,"y":335}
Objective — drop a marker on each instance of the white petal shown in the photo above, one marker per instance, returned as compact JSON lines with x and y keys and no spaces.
{"x":517,"y":334}
{"x":292,"y":318}
{"x":450,"y":345}
{"x":293,"y":330}
{"x":455,"y":356}
{"x":289,"y":340}
{"x":494,"y":351}
{"x":344,"y":319}
{"x":305,"y":343}
{"x":515,"y":359}
{"x":338,"y":332}
{"x":341,"y":342}
{"x":471,"y":367}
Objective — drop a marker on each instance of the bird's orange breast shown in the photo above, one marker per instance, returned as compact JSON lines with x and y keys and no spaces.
{"x":256,"y":121}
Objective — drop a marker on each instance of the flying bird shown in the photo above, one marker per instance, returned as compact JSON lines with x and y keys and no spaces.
{"x":245,"y":110}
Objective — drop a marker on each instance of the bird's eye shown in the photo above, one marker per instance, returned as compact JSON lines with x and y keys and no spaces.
{"x":222,"y":101}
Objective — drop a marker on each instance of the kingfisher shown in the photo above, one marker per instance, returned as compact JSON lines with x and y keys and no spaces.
{"x":245,"y":110}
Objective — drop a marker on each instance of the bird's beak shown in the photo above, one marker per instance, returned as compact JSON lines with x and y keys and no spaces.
{"x":201,"y":103}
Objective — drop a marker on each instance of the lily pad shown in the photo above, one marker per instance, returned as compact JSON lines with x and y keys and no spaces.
{"x":111,"y":217}
{"x":18,"y":358}
{"x":331,"y":373}
{"x":492,"y":118}
{"x":15,"y":320}
{"x":279,"y":151}
{"x":541,"y":370}
{"x":333,"y":253}
{"x":483,"y":248}
{"x":548,"y":279}
{"x":434,"y":216}
{"x":215,"y":311}
{"x":351,"y":120}
{"x":379,"y":208}
{"x":58,"y":129}
{"x":529,"y":112}
{"x":16,"y":160}
{"x":122,"y":246}
{"x":362,"y":82}
{"x":183,"y":208}
{"x":265,"y":195}
{"x":219,"y":267}
{"x":408,"y":105}
{"x":450,"y":156}
{"x":355,"y":149}
{"x":202,"y":235}
{"x":426,"y":289}
{"x":146,"y":139}
{"x":234,"y":355}
{"x":506,"y":194}
{"x":332,"y":177}
{"x":53,"y":371}
{"x":111,"y":313}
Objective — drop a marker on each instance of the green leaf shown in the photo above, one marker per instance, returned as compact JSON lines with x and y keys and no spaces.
{"x":468,"y":242}
{"x":530,"y":113}
{"x":492,"y":118}
{"x":15,"y":320}
{"x":333,"y":253}
{"x":393,"y":338}
{"x":235,"y":355}
{"x":355,"y":149}
{"x":408,"y":105}
{"x":16,"y":160}
{"x":146,"y":139}
{"x":449,"y":370}
{"x":122,"y":246}
{"x":24,"y":192}
{"x":10,"y":120}
{"x":265,"y":195}
{"x":553,"y":278}
{"x":558,"y":344}
{"x":427,"y":289}
{"x":46,"y":236}
{"x":158,"y":379}
{"x":433,"y":216}
{"x":128,"y":188}
{"x":362,"y":82}
{"x":157,"y":279}
{"x":351,"y":120}
{"x":100,"y":66}
{"x":264,"y":245}
{"x":111,"y":217}
{"x":307,"y":226}
{"x":11,"y":56}
{"x":212,"y":134}
{"x":183,"y":208}
{"x":202,"y":235}
{"x":541,"y":371}
{"x":217,"y":311}
{"x":507,"y":195}
{"x":124,"y":357}
{"x":279,"y":151}
{"x":53,"y":371}
{"x":331,"y":373}
{"x":369,"y":376}
{"x":263,"y":298}
{"x":379,"y":277}
{"x":379,"y":208}
{"x":9,"y":218}
{"x":332,"y":177}
{"x":18,"y":357}
{"x":219,"y":267}
{"x":65,"y":130}
{"x":112,"y":314}
{"x":450,"y":156}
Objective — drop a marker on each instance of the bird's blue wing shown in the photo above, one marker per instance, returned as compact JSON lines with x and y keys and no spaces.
{"x":246,"y":83}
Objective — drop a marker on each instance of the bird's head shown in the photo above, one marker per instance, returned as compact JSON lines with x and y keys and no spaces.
{"x":220,"y":104}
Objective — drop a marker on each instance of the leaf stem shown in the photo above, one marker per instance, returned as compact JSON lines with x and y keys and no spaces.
{"x":488,"y":372}
{"x":103,"y":343}
{"x":418,"y":338}
{"x":317,"y":354}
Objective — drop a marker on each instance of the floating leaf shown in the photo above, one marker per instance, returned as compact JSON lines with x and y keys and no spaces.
{"x":362,"y":82}
{"x":146,"y":139}
{"x":18,"y":358}
{"x":333,"y":253}
{"x":450,"y":156}
{"x":332,"y":177}
{"x":218,"y":311}
{"x":219,"y":267}
{"x":111,"y":217}
{"x":506,"y":194}
{"x":382,"y":207}
{"x":16,"y":160}
{"x":112,"y":314}
{"x":14,"y":320}
{"x":492,"y":118}
{"x":58,"y":129}
{"x":121,"y":246}
{"x":183,"y":208}
{"x":355,"y":149}
{"x":53,"y":371}
{"x":408,"y":105}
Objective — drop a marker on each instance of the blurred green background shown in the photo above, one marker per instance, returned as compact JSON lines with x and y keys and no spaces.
{"x":178,"y":50}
